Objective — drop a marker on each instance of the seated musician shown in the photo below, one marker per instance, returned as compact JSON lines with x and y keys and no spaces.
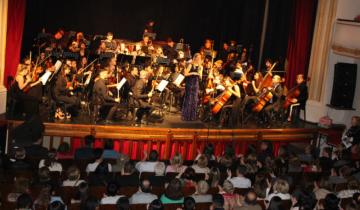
{"x":101,"y":98}
{"x":142,"y":95}
{"x":169,"y":50}
{"x":146,"y":45}
{"x":110,"y":44}
{"x":276,"y":102}
{"x":299,"y":100}
{"x":63,"y":93}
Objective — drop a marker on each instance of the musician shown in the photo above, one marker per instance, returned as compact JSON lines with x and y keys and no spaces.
{"x":301,"y":99}
{"x":149,"y":27}
{"x":276,"y":102}
{"x":146,"y":45}
{"x":207,"y":49}
{"x":193,"y":73}
{"x":169,"y":50}
{"x":252,"y":90}
{"x":63,"y":92}
{"x":132,"y":77}
{"x":110,"y":44}
{"x":268,"y":65}
{"x":101,"y":97}
{"x":142,"y":95}
{"x":223,"y":53}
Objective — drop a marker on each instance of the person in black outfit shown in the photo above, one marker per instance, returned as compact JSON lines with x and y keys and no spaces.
{"x":36,"y":150}
{"x":19,"y":162}
{"x":142,"y":95}
{"x":301,"y":99}
{"x":86,"y":152}
{"x":352,"y":135}
{"x":276,"y":102}
{"x":169,"y":50}
{"x":101,"y":99}
{"x":129,"y":177}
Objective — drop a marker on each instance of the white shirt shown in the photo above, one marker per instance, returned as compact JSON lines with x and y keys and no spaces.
{"x":55,"y":166}
{"x":240,"y":182}
{"x":72,"y":183}
{"x":283,"y":196}
{"x":110,"y":199}
{"x":199,"y":170}
{"x":91,"y":167}
{"x":146,"y":166}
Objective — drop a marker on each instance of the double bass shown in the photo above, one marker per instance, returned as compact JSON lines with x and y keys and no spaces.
{"x":266,"y":95}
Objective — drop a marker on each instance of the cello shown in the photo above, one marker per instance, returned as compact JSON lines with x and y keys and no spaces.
{"x":223,"y":98}
{"x":266,"y":95}
{"x":292,"y":93}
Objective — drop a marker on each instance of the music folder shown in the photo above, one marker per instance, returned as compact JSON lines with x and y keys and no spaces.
{"x":121,"y":83}
{"x":179,"y":79}
{"x":162,"y":85}
{"x":44,"y":78}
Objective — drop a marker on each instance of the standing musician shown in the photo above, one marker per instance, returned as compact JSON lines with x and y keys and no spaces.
{"x":276,"y":102}
{"x":297,"y":97}
{"x":146,"y":45}
{"x":142,"y":95}
{"x":101,"y":98}
{"x":110,"y":44}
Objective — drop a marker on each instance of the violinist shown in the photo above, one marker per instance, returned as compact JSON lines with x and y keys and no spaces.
{"x":252,"y":90}
{"x":299,"y":97}
{"x":276,"y":102}
{"x":63,"y":93}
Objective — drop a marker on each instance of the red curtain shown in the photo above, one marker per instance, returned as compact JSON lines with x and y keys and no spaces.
{"x":300,"y":37}
{"x":15,"y":27}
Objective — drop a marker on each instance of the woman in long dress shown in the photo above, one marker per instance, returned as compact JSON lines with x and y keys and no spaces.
{"x":192,"y":74}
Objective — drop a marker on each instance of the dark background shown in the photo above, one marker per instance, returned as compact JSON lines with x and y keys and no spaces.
{"x":193,"y":20}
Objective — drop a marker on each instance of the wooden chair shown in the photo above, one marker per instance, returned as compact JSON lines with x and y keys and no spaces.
{"x":146,"y":175}
{"x":172,"y":206}
{"x":202,"y":206}
{"x":138,"y":206}
{"x":97,"y":191}
{"x":171,"y":175}
{"x":108,"y":207}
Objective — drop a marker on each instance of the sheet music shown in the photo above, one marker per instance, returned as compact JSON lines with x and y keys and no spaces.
{"x":57,"y":65}
{"x":44,"y":78}
{"x":88,"y":78}
{"x":162,"y":85}
{"x":179,"y":79}
{"x":121,"y":83}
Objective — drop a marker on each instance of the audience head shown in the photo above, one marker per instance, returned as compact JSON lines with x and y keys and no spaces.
{"x":153,"y":156}
{"x":276,"y":204}
{"x":56,"y":205}
{"x":24,"y":201}
{"x":82,"y":191}
{"x":250,"y":198}
{"x":176,"y":160}
{"x":63,"y":148}
{"x":98,"y":152}
{"x":214,"y":176}
{"x":241,"y":170}
{"x":89,"y":140}
{"x":189,"y":174}
{"x":202,"y":187}
{"x":189,"y":203}
{"x":209,"y":150}
{"x":202,"y":162}
{"x":159,"y":169}
{"x":44,"y":174}
{"x":174,"y":190}
{"x":260,"y":184}
{"x":112,"y":189}
{"x":73,"y":173}
{"x":91,"y":203}
{"x":102,"y":168}
{"x":331,"y":202}
{"x":145,"y":186}
{"x":20,"y":153}
{"x":123,"y":203}
{"x":129,"y":168}
{"x":281,"y":186}
{"x":304,"y":199}
{"x":228,"y":187}
{"x":218,"y":201}
{"x":156,"y":205}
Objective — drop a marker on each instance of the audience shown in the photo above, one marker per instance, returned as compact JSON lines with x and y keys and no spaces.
{"x":51,"y":162}
{"x":19,"y":161}
{"x":24,"y":201}
{"x":176,"y":164}
{"x":173,"y":193}
{"x":250,"y":202}
{"x":276,"y":204}
{"x":91,"y":167}
{"x":148,"y":166}
{"x":189,"y":203}
{"x":86,"y":152}
{"x":239,"y":181}
{"x":111,"y":195}
{"x":123,"y":203}
{"x":73,"y":177}
{"x":91,"y":203}
{"x":143,"y":195}
{"x":279,"y":189}
{"x":217,"y":202}
{"x":156,"y":205}
{"x":109,"y":152}
{"x":201,"y":195}
{"x":21,"y":185}
{"x":303,"y":200}
{"x":81,"y":194}
{"x":201,"y":165}
{"x":159,"y":178}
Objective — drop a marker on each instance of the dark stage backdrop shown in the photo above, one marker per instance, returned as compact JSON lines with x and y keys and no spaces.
{"x":192,"y":20}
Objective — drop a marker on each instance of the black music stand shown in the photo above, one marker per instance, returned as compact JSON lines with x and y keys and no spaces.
{"x":123,"y":58}
{"x":163,"y":61}
{"x":141,"y":60}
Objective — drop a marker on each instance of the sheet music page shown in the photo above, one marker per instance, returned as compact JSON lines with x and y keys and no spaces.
{"x":57,"y":65}
{"x":179,"y":79}
{"x":87,"y":81}
{"x":44,"y":78}
{"x":161,"y":86}
{"x":121,"y":83}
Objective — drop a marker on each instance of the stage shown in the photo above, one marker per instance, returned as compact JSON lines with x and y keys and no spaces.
{"x":174,"y":135}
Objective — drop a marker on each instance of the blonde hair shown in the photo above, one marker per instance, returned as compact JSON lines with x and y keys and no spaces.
{"x":281,"y":186}
{"x":20,"y":68}
{"x":228,"y":187}
{"x":202,"y":187}
{"x":159,"y":168}
{"x":202,"y":162}
{"x":73,"y":173}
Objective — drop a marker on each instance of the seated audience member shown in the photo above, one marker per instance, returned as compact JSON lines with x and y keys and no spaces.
{"x":229,"y":197}
{"x":322,"y":187}
{"x":24,"y":201}
{"x":353,"y":187}
{"x":91,"y":167}
{"x":51,"y":162}
{"x":201,"y":165}
{"x":44,"y":179}
{"x":250,"y":202}
{"x":189,"y":203}
{"x":201,"y":195}
{"x":73,"y":177}
{"x":19,"y":161}
{"x":173,"y":193}
{"x":260,"y":185}
{"x":123,"y":203}
{"x":46,"y":196}
{"x":156,"y":205}
{"x":276,"y":204}
{"x":188,"y":177}
{"x":239,"y":181}
{"x":81,"y":194}
{"x":158,"y":179}
{"x":120,"y":163}
{"x":111,"y":195}
{"x":91,"y":203}
{"x":129,"y":176}
{"x":340,"y":176}
{"x":217,"y":202}
{"x":266,"y":151}
{"x":56,"y":205}
{"x":303,"y":200}
{"x":325,"y":161}
{"x":143,"y":195}
{"x":63,"y":151}
{"x":21,"y":186}
{"x":214,"y":177}
{"x":86,"y":152}
{"x":280,"y":189}
{"x":331,"y":202}
{"x":36,"y":150}
{"x":176,"y":164}
{"x":101,"y":175}
{"x":149,"y":165}
{"x":109,"y":152}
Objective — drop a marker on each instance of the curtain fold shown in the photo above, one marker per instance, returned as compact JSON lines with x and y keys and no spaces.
{"x":318,"y":67}
{"x":15,"y":28}
{"x":299,"y":42}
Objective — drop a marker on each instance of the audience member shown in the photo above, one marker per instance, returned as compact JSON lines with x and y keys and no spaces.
{"x":51,"y":162}
{"x":111,"y":195}
{"x":176,"y":164}
{"x":239,"y":181}
{"x":143,"y":195}
{"x":201,"y":165}
{"x":173,"y":193}
{"x":250,"y":202}
{"x":109,"y":152}
{"x":86,"y":152}
{"x":201,"y":195}
{"x":91,"y":167}
{"x":148,"y":166}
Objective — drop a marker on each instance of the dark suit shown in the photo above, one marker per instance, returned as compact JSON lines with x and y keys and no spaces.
{"x":62,"y":94}
{"x":302,"y":98}
{"x":141,"y":96}
{"x":36,"y":151}
{"x":277,"y":100}
{"x":102,"y":100}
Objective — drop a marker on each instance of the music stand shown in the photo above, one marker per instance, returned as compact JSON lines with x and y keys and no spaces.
{"x":152,"y":36}
{"x":164,"y":61}
{"x":141,"y":60}
{"x":123,"y":58}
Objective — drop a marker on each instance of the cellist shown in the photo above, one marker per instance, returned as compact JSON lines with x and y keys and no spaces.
{"x":277,"y":91}
{"x":297,"y":97}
